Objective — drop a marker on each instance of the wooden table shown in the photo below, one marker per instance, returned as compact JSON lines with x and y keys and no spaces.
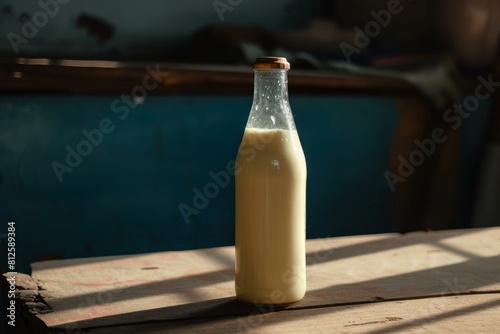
{"x":439,"y":282}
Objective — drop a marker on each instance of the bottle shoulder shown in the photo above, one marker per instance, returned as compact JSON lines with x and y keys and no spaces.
{"x":273,"y":148}
{"x":271,"y":141}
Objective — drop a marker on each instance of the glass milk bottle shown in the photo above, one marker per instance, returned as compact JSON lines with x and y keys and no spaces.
{"x":270,"y":195}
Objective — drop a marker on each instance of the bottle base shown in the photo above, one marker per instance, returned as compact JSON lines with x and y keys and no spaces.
{"x":271,"y":306}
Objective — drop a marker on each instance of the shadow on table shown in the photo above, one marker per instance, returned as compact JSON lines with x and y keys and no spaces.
{"x":249,"y":318}
{"x":334,"y":253}
{"x":228,"y":310}
{"x":451,"y":279}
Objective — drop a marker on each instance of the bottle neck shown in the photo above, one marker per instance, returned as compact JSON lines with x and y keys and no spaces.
{"x":271,"y":108}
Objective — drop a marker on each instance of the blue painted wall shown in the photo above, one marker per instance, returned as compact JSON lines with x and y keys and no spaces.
{"x":123,"y":197}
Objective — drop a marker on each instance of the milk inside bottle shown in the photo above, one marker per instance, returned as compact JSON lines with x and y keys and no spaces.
{"x":271,"y":173}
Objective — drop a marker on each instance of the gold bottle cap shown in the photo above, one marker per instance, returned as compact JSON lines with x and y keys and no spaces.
{"x":264,"y":63}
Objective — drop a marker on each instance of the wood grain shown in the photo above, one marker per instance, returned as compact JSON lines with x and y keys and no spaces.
{"x":171,"y":287}
{"x":77,"y":76}
{"x":456,"y":314}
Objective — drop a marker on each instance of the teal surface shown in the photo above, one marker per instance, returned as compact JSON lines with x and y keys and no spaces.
{"x":123,"y":197}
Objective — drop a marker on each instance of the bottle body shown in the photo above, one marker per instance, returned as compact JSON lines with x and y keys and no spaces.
{"x":270,"y":236}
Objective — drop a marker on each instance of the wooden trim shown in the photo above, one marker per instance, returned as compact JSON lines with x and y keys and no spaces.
{"x":93,"y":76}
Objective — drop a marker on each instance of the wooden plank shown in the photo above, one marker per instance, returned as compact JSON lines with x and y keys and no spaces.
{"x":455,"y":314}
{"x":93,"y":76}
{"x":28,"y":303}
{"x":87,"y":293}
{"x":179,"y":285}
